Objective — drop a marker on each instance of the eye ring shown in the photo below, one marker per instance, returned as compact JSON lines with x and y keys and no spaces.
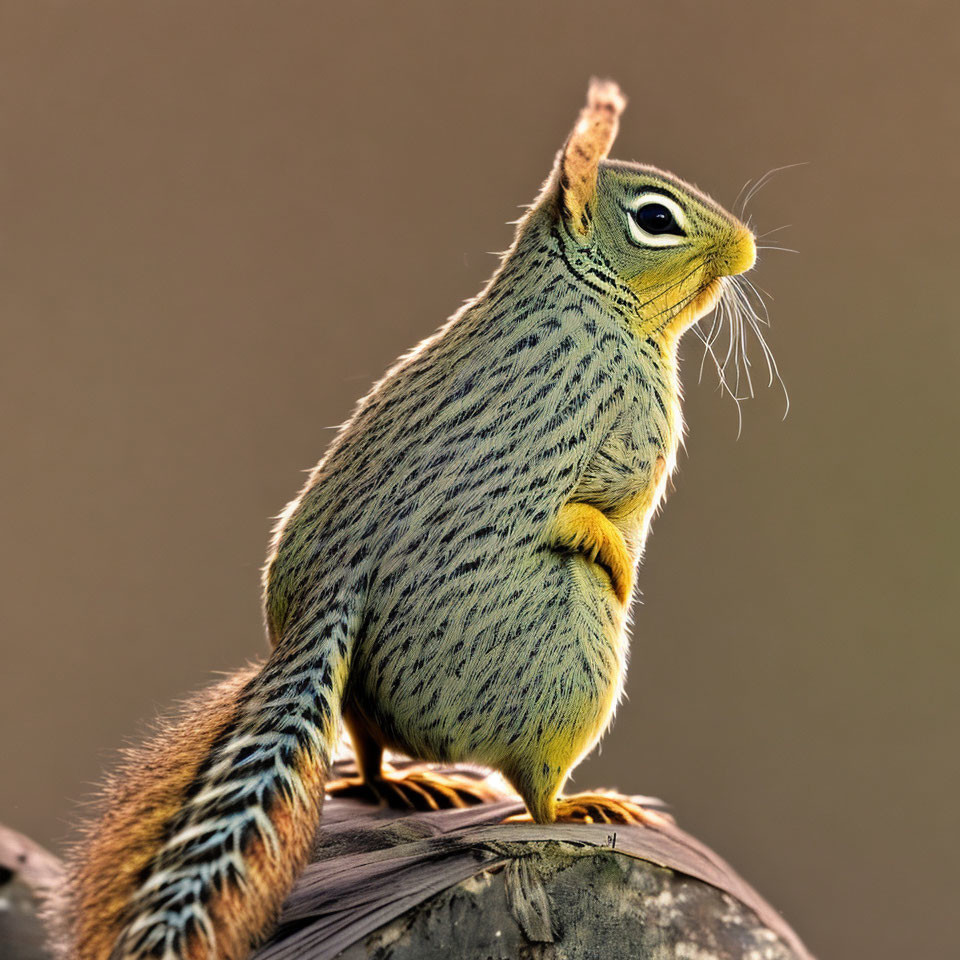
{"x":672,"y":220}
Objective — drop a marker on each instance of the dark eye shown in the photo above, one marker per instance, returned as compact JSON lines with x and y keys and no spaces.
{"x":655,"y":218}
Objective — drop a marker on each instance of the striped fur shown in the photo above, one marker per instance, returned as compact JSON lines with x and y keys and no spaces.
{"x":437,"y":580}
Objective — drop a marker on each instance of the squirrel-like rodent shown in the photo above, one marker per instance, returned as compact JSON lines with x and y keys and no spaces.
{"x":453,"y":581}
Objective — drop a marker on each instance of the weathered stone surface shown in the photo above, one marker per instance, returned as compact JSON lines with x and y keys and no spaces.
{"x":598,"y":903}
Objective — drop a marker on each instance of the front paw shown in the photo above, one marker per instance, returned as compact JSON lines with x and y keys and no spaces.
{"x":585,"y":529}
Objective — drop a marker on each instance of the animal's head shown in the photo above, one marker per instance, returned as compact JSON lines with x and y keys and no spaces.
{"x":654,"y":234}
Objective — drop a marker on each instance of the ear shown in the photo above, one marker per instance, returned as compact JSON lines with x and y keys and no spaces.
{"x":587,"y":145}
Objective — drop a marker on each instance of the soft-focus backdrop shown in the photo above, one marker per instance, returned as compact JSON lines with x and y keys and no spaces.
{"x":221,"y":221}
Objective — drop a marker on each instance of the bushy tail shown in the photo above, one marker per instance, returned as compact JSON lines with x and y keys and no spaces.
{"x":207,"y":826}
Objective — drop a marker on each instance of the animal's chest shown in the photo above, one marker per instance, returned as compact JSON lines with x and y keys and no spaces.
{"x":625,"y":476}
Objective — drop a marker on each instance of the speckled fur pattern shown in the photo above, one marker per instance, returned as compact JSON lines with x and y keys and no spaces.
{"x":481,"y":641}
{"x":439,"y":583}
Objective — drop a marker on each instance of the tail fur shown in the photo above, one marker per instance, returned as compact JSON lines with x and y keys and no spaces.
{"x":207,"y":826}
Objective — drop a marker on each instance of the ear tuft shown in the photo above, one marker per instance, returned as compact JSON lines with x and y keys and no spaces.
{"x":606,"y":95}
{"x":587,"y":145}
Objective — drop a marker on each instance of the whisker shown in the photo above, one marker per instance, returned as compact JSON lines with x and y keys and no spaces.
{"x":707,"y":340}
{"x":742,"y":307}
{"x":740,"y":355}
{"x":760,"y":293}
{"x":708,"y":349}
{"x":763,"y":236}
{"x":771,"y":246}
{"x":728,"y":317}
{"x":763,"y":181}
{"x":745,"y":355}
{"x":754,"y":320}
{"x":735,"y":342}
{"x":746,"y":310}
{"x":760,"y":300}
{"x":735,"y":312}
{"x":746,"y":184}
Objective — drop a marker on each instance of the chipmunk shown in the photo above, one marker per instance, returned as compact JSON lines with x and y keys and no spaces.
{"x":453,"y":581}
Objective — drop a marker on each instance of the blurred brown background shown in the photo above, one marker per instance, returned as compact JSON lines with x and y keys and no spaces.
{"x":221,"y":221}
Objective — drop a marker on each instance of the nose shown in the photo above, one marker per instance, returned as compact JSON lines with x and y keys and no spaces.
{"x":741,"y":252}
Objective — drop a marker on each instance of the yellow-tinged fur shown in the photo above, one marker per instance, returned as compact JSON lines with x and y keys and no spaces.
{"x":584,"y":529}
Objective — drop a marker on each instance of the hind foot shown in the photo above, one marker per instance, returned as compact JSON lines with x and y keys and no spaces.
{"x":601,"y":807}
{"x":418,"y":789}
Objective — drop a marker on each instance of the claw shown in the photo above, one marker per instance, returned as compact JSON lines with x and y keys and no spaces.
{"x":601,"y":807}
{"x":415,"y":790}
